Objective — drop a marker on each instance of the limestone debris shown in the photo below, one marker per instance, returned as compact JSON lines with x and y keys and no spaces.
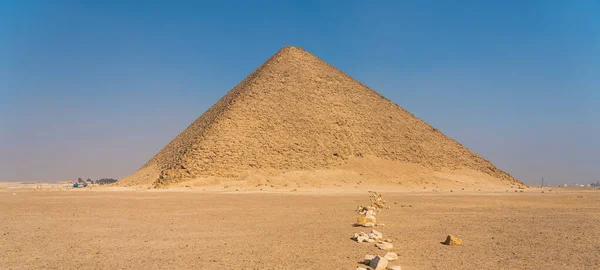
{"x":384,"y":245}
{"x":367,"y":214}
{"x":360,"y":237}
{"x":375,"y":235}
{"x":371,"y":237}
{"x":391,"y":256}
{"x":366,"y":210}
{"x":366,"y":221}
{"x":377,"y":200}
{"x":378,"y":263}
{"x":453,"y":241}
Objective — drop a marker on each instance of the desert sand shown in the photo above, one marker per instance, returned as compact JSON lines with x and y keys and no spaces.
{"x":115,"y":228}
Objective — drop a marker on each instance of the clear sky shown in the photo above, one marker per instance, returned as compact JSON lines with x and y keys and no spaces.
{"x":96,"y":88}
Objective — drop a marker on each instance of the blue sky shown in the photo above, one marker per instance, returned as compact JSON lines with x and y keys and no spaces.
{"x":95,"y":88}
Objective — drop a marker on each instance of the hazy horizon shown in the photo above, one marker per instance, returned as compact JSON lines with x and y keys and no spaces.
{"x":96,"y":89}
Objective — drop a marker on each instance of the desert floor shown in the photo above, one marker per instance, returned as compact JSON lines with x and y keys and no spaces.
{"x":557,"y":229}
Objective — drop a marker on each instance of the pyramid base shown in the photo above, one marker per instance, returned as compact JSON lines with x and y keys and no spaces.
{"x":356,"y":173}
{"x":143,"y":178}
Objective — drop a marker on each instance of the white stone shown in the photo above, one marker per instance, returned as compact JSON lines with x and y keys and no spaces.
{"x":368,"y":258}
{"x":362,"y":238}
{"x":377,"y":234}
{"x":370,"y":213}
{"x":395,"y":267}
{"x":378,"y":263}
{"x":369,"y":224}
{"x":370,"y":240}
{"x":391,"y":256}
{"x":361,"y":268}
{"x":384,"y":245}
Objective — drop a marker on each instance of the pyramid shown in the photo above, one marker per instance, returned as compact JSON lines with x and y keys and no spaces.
{"x":296,"y":112}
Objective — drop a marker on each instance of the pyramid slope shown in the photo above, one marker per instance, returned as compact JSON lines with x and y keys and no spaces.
{"x":296,"y":112}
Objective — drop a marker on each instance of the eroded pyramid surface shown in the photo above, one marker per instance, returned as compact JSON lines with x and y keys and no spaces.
{"x":296,"y":112}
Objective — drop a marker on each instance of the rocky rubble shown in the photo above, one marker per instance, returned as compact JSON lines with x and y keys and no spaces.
{"x":367,"y":218}
{"x":370,"y":238}
{"x":378,"y":263}
{"x":367,"y":214}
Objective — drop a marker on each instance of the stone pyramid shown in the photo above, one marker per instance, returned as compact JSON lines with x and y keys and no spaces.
{"x":296,"y":112}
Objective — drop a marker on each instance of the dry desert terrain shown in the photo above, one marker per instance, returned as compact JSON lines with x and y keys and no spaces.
{"x":166,"y":229}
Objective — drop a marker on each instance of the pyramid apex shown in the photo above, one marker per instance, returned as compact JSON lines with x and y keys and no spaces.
{"x":290,"y":49}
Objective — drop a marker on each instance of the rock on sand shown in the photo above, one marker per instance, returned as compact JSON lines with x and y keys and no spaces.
{"x":453,"y":241}
{"x":378,"y":263}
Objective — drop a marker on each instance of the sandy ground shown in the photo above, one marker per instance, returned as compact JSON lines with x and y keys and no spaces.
{"x":557,"y":229}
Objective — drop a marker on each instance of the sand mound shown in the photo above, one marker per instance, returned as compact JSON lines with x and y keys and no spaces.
{"x":296,"y":113}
